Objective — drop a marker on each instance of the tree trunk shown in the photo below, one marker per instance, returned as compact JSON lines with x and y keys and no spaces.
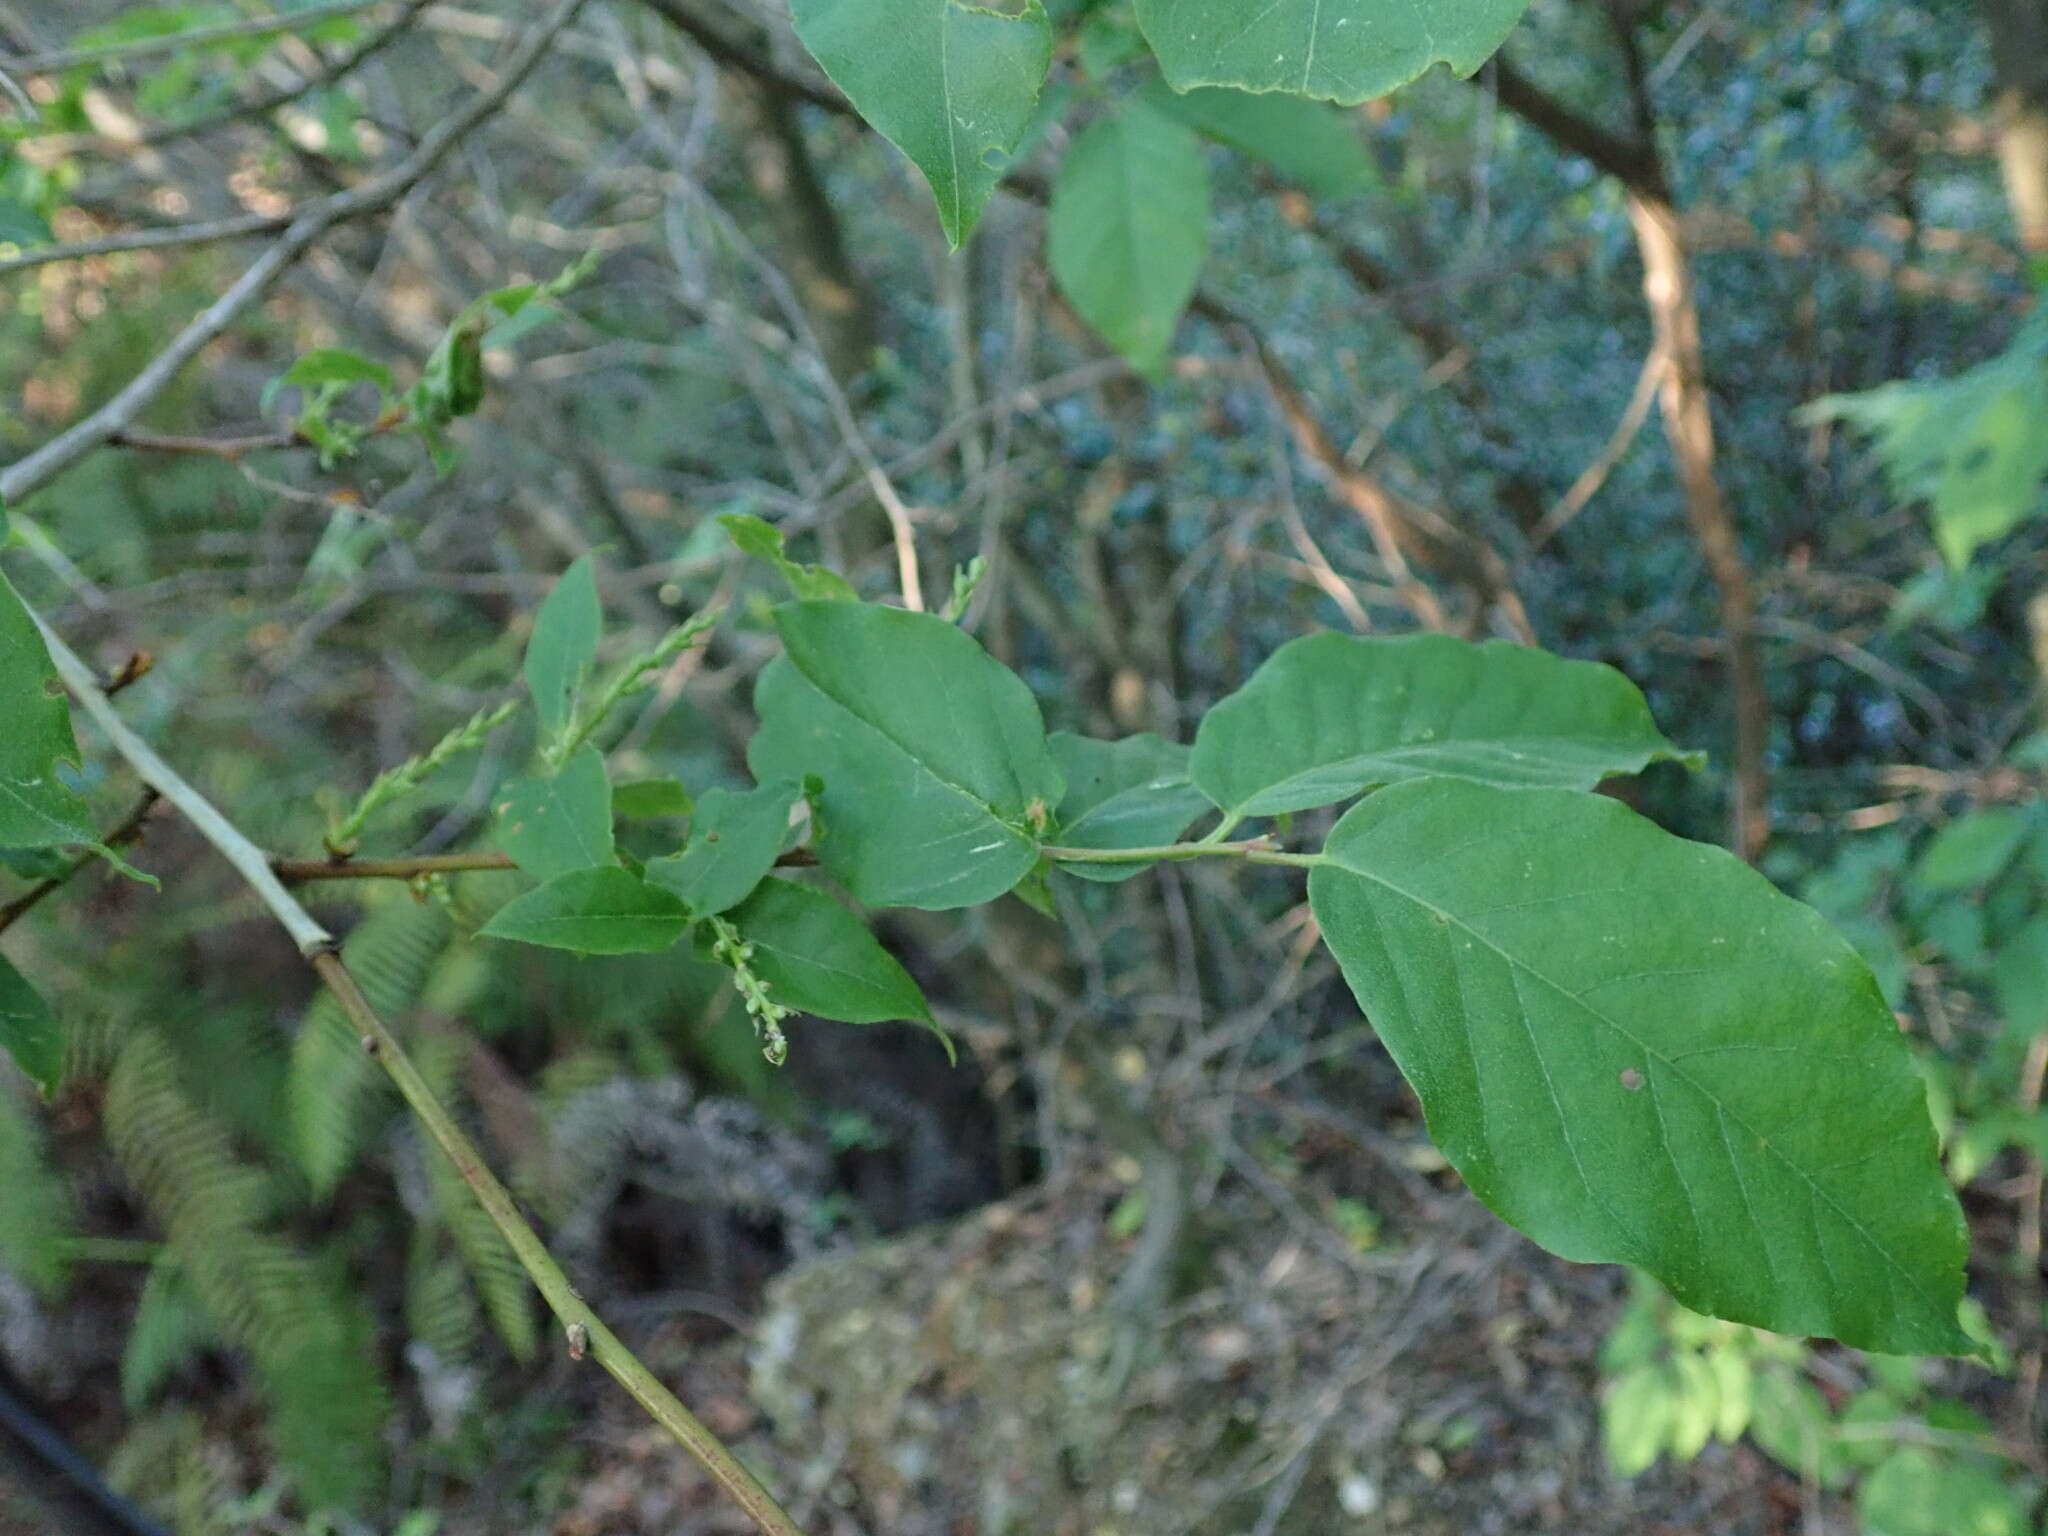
{"x":2019,"y":55}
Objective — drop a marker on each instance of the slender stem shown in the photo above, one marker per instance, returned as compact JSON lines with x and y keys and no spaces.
{"x":1254,"y":851}
{"x":411,"y":867}
{"x":304,"y":871}
{"x":250,"y":862}
{"x":587,"y":1332}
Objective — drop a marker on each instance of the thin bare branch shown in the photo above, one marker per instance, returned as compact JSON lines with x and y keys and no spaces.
{"x":40,"y":467}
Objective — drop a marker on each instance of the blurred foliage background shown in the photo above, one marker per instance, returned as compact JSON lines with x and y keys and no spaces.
{"x":1168,"y":1251}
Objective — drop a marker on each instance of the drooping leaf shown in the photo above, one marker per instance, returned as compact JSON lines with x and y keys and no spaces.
{"x":735,"y":838}
{"x":1128,"y":229}
{"x":605,"y":911}
{"x":564,"y":641}
{"x":932,"y":754}
{"x":1312,"y":145}
{"x":36,"y":809}
{"x":1636,"y":1050}
{"x":563,"y":822}
{"x":29,"y":1031}
{"x":1330,"y":715}
{"x":1132,"y":793}
{"x":952,"y":85}
{"x":818,"y":958}
{"x":763,"y":541}
{"x":1970,"y":447}
{"x":1339,"y":50}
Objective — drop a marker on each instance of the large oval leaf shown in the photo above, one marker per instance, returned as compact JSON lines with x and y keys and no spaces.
{"x":1636,"y":1050}
{"x":952,"y":85}
{"x":1339,"y":50}
{"x":1329,"y":716}
{"x":1128,"y":229}
{"x":933,"y":754}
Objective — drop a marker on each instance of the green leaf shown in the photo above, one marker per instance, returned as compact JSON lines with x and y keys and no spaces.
{"x":36,"y":809}
{"x":1971,"y":850}
{"x":1635,"y":1416}
{"x":818,"y":958}
{"x":1329,"y":716}
{"x":604,"y":911}
{"x":650,"y":799}
{"x":325,"y":373}
{"x":1637,"y":1051}
{"x":734,"y":841}
{"x":933,"y":757}
{"x":1790,"y":1421}
{"x":29,"y":1030}
{"x":563,"y":643}
{"x":952,"y":85}
{"x":763,"y":541}
{"x":1316,"y":147}
{"x":1920,"y":1492}
{"x":1132,"y":793}
{"x":21,"y":224}
{"x":2019,"y":977}
{"x":1128,"y":229}
{"x":553,"y":826}
{"x":1970,"y":447}
{"x":1339,"y":50}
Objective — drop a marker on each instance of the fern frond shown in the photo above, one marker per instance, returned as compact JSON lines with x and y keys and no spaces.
{"x":170,"y":1327}
{"x":35,"y":1212}
{"x":303,"y":1333}
{"x":440,"y":1307}
{"x":334,"y":1086}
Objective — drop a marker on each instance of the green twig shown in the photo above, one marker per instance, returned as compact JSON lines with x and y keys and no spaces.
{"x":1254,"y":851}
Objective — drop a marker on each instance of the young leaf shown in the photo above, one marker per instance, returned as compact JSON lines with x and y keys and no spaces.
{"x":1128,"y":229}
{"x":950,"y":84}
{"x":553,"y":826}
{"x":818,"y":958}
{"x":1339,"y":50}
{"x":1636,"y":1050}
{"x":604,"y":911}
{"x":763,"y":541}
{"x":1132,"y":793}
{"x":29,"y":1030}
{"x":1316,"y":147}
{"x":734,"y":841}
{"x":36,"y":809}
{"x":1329,"y":716}
{"x":564,"y":640}
{"x":933,"y":756}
